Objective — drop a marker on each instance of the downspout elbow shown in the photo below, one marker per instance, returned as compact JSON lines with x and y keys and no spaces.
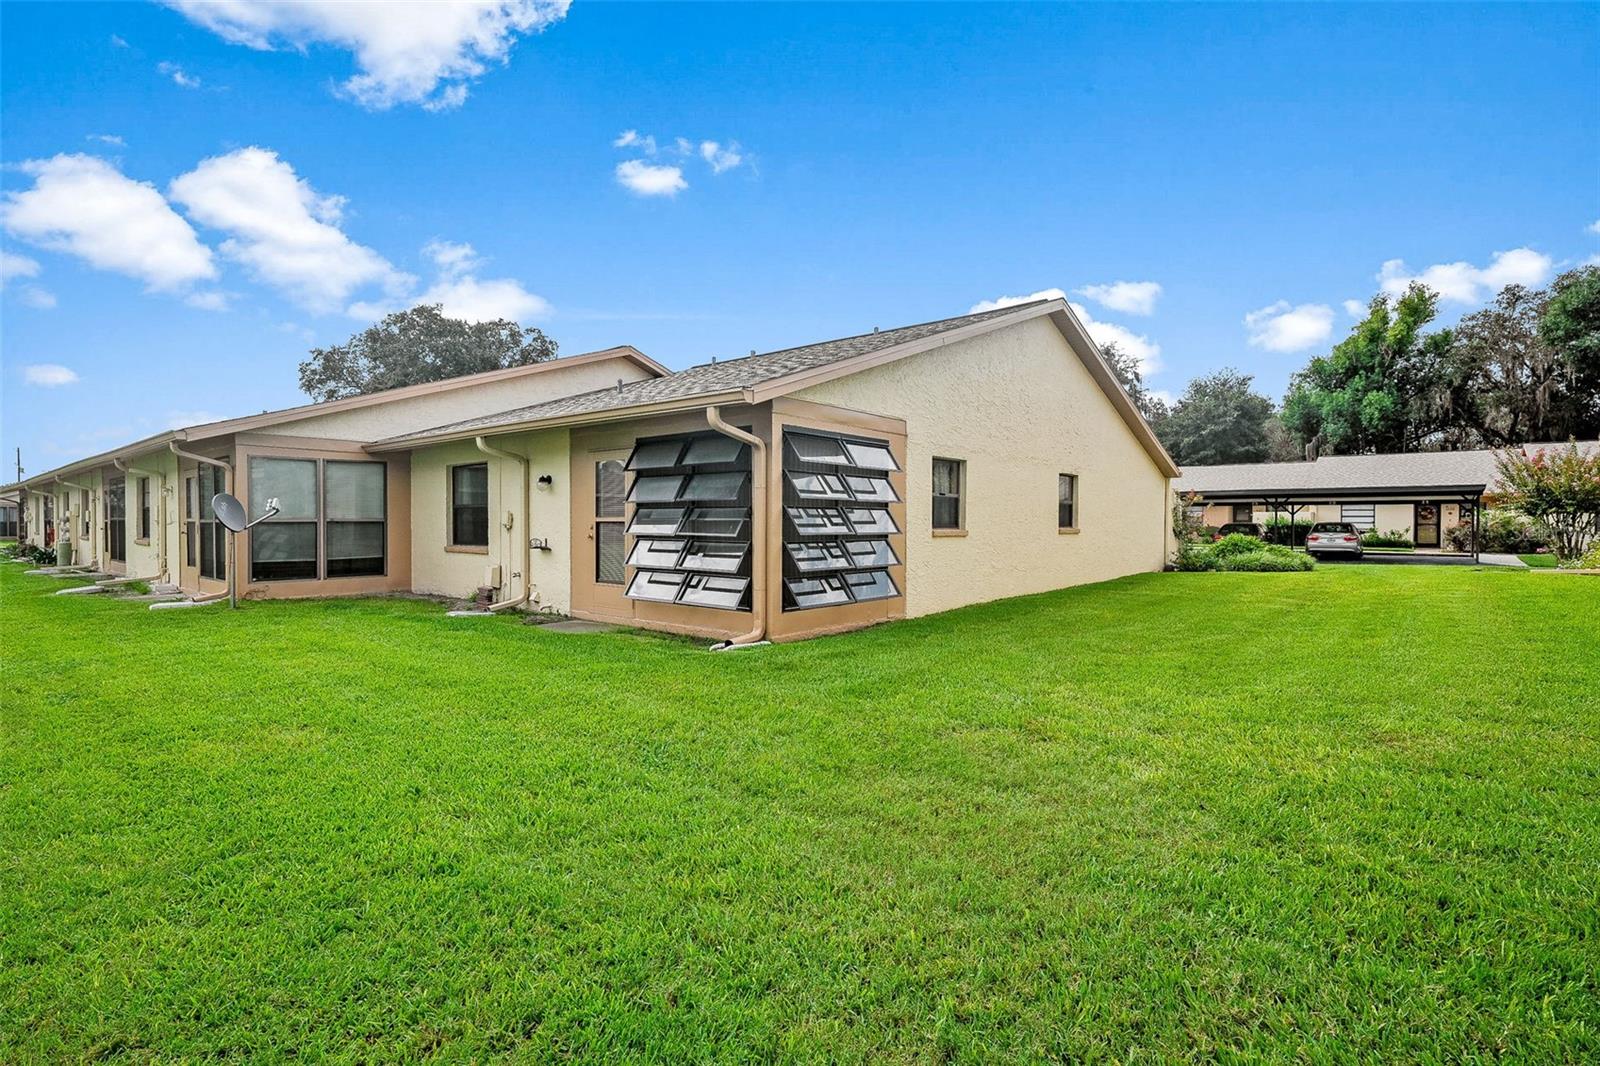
{"x":523,"y":534}
{"x":758,"y":529}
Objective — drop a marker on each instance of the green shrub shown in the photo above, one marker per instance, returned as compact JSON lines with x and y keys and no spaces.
{"x":1505,"y":530}
{"x":1192,"y":556}
{"x":1394,"y":538}
{"x":1591,"y":558}
{"x":1235,"y":544}
{"x":1279,"y":530}
{"x":1281,"y":561}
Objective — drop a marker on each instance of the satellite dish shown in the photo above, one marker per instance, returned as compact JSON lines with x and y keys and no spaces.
{"x":230,"y":512}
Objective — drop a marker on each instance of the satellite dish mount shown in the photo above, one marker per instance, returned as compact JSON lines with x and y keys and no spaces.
{"x":231,"y":513}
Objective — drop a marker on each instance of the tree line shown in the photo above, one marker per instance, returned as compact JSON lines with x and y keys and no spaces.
{"x":1526,"y":368}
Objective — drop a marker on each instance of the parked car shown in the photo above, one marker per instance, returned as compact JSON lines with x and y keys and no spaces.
{"x":1333,"y":538}
{"x":1249,"y":529}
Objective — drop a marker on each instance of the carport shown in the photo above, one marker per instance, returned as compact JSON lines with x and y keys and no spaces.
{"x":1411,"y":492}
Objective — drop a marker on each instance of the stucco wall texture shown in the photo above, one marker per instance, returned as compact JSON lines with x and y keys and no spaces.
{"x":1019,"y":408}
{"x":437,"y":570}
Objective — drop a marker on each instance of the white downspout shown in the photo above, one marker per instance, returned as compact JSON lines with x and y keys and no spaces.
{"x":758,"y":530}
{"x":227,"y":468}
{"x":525,"y":533}
{"x":94,"y":542}
{"x":161,"y":511}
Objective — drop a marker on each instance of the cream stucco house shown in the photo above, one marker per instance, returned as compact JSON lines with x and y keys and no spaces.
{"x":778,"y":496}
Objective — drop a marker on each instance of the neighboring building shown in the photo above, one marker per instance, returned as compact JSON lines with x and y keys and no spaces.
{"x":8,"y":516}
{"x":1423,"y":495}
{"x":809,"y":490}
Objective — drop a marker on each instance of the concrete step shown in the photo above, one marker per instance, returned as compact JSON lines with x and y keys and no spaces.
{"x":167,"y":605}
{"x":82,"y":590}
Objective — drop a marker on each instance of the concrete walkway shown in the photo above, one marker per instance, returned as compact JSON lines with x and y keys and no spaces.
{"x":1427,"y":559}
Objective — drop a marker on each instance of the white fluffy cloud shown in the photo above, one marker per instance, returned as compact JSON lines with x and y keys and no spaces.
{"x":1594,"y":227}
{"x":85,"y":207}
{"x":1130,"y":297}
{"x":17,"y":266}
{"x":177,"y":74}
{"x":108,"y":138}
{"x":1355,"y":308}
{"x":49,"y":375}
{"x":632,"y":139}
{"x":721,"y":157}
{"x":20,"y":266}
{"x":1146,"y":352}
{"x":1281,"y":328}
{"x":461,"y":293}
{"x":407,"y":51}
{"x":650,"y":179}
{"x":282,"y":229}
{"x":1461,"y":282}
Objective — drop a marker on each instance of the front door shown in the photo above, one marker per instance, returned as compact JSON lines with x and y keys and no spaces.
{"x":1425,"y":525}
{"x":600,"y":516}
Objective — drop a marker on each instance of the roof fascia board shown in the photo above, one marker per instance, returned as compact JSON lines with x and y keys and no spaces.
{"x":207,"y":430}
{"x":588,"y":418}
{"x":1376,"y":494}
{"x":128,"y":451}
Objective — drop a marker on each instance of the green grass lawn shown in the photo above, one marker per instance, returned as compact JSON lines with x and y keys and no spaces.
{"x":1542,"y":561}
{"x":1352,"y":815}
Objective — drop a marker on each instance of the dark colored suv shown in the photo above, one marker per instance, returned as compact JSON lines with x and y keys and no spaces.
{"x":1249,"y":529}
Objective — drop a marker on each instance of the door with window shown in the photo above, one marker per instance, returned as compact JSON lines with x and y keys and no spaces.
{"x":600,"y":516}
{"x":117,"y":522}
{"x":203,"y":554}
{"x":1425,"y":525}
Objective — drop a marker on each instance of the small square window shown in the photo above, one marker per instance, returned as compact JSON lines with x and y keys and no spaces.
{"x":1241,"y":512}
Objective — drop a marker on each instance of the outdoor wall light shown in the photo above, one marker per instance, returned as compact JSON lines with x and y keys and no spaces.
{"x":546,"y":480}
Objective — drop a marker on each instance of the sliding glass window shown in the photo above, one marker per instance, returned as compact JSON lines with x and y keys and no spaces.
{"x":354,"y":505}
{"x":284,"y":547}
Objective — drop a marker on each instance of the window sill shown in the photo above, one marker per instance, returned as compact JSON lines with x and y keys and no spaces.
{"x":1064,"y":530}
{"x":949,"y":532}
{"x":466,"y":549}
{"x":142,"y":540}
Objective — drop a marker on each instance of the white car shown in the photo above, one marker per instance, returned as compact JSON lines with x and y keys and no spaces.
{"x":1333,"y":538}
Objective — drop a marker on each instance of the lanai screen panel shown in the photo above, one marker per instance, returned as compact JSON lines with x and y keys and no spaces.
{"x":691,"y":523}
{"x":836,"y":496}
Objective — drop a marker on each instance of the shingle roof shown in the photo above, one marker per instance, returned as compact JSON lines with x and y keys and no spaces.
{"x":708,"y":379}
{"x":1345,"y":472}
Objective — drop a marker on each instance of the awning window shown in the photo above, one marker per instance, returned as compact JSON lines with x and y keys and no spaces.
{"x":807,"y":448}
{"x":869,"y":553}
{"x":809,"y":486}
{"x":728,"y":486}
{"x":813,"y":556}
{"x":715,"y":557}
{"x":711,"y":590}
{"x":871,"y":520}
{"x":654,"y":553}
{"x":871,"y":489}
{"x":657,"y":521}
{"x":804,"y":592}
{"x":656,"y":454}
{"x":870,"y":456}
{"x":817,"y":521}
{"x":660,"y":586}
{"x":715,"y":450}
{"x":870,"y":585}
{"x":728,"y":522}
{"x":656,"y":489}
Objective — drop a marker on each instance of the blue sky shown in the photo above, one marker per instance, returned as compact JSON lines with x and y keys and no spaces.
{"x":190,"y":202}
